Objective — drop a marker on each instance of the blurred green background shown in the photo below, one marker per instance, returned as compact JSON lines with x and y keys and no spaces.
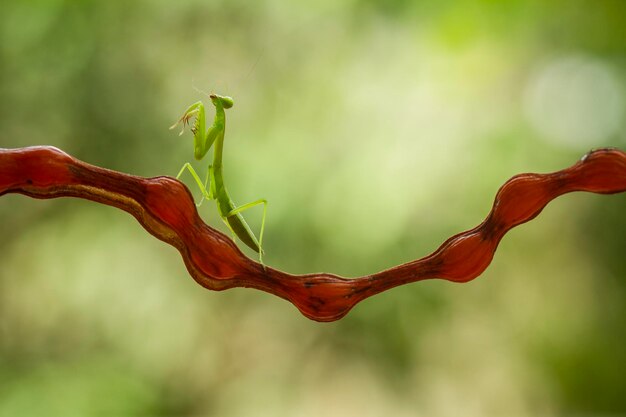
{"x":376,"y":129}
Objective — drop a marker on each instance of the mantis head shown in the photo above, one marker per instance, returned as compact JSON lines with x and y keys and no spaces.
{"x":226,"y":102}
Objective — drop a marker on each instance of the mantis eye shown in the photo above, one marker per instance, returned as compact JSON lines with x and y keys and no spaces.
{"x":227,"y":102}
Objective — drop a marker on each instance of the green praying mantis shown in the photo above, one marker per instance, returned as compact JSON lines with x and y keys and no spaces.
{"x":213,"y":187}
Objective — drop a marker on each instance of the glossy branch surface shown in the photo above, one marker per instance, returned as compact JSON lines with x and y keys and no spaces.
{"x":165,"y":208}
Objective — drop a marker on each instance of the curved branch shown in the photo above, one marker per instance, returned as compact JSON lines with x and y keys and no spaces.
{"x":165,"y":208}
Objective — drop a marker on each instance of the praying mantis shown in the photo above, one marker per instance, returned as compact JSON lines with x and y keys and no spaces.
{"x":216,"y":190}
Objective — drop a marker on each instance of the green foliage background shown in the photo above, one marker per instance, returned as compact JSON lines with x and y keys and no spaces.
{"x":376,"y":129}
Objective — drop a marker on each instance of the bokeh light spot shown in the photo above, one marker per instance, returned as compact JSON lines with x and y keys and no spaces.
{"x":575,"y":102}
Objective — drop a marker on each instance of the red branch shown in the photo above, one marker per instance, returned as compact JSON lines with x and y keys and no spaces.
{"x":165,"y":208}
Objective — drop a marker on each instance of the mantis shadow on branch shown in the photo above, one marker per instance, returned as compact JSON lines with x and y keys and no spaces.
{"x":166,"y":209}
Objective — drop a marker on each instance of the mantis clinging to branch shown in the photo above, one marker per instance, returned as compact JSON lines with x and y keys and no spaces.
{"x":213,"y":187}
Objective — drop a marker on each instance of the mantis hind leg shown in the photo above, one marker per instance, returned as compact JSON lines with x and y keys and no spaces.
{"x":203,"y":187}
{"x":246,"y":207}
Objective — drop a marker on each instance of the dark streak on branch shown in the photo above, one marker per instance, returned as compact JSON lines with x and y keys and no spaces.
{"x":166,"y":209}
